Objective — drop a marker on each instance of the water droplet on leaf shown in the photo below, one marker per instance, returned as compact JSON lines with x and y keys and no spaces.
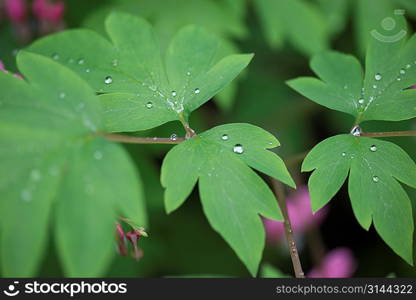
{"x":26,"y":195}
{"x":238,"y":149}
{"x":173,"y":137}
{"x":173,"y":93}
{"x":373,"y":148}
{"x":356,"y":131}
{"x":197,"y":91}
{"x":376,"y":179}
{"x":35,"y":175}
{"x":98,"y":155}
{"x":108,"y":80}
{"x":378,"y":77}
{"x":225,"y":137}
{"x":149,"y":105}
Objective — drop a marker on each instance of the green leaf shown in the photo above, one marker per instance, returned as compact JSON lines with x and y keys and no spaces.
{"x":294,"y":21}
{"x":232,"y":194}
{"x":269,"y":271}
{"x":336,"y":13}
{"x":140,"y":89}
{"x":383,"y":94}
{"x":55,"y":171}
{"x":375,"y":169}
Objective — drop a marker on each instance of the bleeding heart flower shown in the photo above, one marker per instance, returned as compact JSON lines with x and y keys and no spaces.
{"x":48,"y":10}
{"x":300,"y":214}
{"x":338,"y":263}
{"x":133,"y":237}
{"x":16,"y":10}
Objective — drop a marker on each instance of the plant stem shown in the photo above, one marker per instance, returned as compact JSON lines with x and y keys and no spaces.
{"x":388,"y":134}
{"x":290,"y":238}
{"x":140,"y":140}
{"x":189,"y":131}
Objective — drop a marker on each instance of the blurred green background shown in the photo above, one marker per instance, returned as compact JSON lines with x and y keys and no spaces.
{"x":283,"y":34}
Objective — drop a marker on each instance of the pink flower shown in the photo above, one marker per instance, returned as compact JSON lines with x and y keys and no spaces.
{"x":133,"y":237}
{"x":16,"y":10}
{"x":2,"y":66}
{"x":48,"y":11}
{"x":300,"y":214}
{"x":338,"y":263}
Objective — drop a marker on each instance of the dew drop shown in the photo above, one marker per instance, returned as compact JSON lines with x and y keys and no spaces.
{"x":108,"y":80}
{"x":149,"y":105}
{"x":89,"y":189}
{"x":173,"y":93}
{"x":98,"y":155}
{"x":374,"y":86}
{"x":408,"y":66}
{"x":356,"y":131}
{"x":238,"y":149}
{"x":373,"y":148}
{"x":225,"y":137}
{"x":376,"y":179}
{"x":402,"y":71}
{"x":53,"y":171}
{"x":26,"y":195}
{"x":87,"y":70}
{"x":399,"y":79}
{"x":361,"y":101}
{"x":115,"y":62}
{"x":188,"y":73}
{"x":197,"y":91}
{"x":35,"y":175}
{"x":378,"y":77}
{"x":55,"y":56}
{"x":344,"y":154}
{"x":173,"y":137}
{"x":81,"y":61}
{"x":62,"y":95}
{"x":80,"y":106}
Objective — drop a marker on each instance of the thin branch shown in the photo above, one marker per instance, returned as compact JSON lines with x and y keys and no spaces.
{"x":290,"y":238}
{"x":141,"y":140}
{"x":189,"y":131}
{"x":388,"y":134}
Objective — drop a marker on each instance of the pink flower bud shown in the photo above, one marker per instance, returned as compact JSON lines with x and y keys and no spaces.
{"x":134,"y":236}
{"x":338,"y":263}
{"x":16,"y":10}
{"x":48,"y":11}
{"x":300,"y":214}
{"x":121,"y":240}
